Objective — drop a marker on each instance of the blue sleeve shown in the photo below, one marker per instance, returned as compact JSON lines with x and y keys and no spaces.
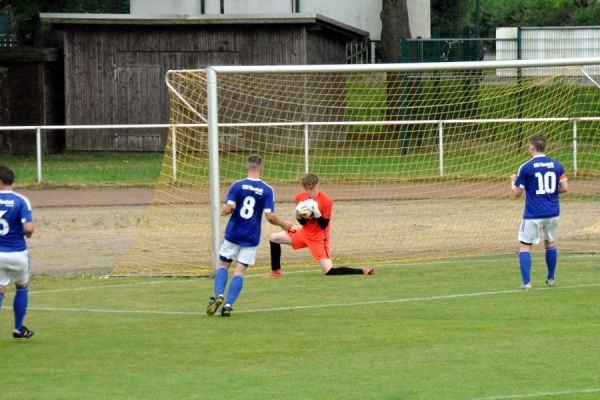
{"x":232,"y":194}
{"x":520,"y":181}
{"x":561,"y":171}
{"x":25,"y":212}
{"x":270,"y":202}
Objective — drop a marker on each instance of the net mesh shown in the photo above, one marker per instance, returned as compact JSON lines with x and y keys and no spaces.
{"x":405,"y":186}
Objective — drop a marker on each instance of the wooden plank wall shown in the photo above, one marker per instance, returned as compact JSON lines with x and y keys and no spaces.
{"x":115,"y":74}
{"x":31,"y":94}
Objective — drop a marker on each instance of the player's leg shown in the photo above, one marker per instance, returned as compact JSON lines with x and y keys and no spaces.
{"x":20,"y":303}
{"x":550,"y":227}
{"x":1,"y":296}
{"x":226,"y":254}
{"x":320,"y":251}
{"x":20,"y":277}
{"x":235,"y":288}
{"x":528,"y":235}
{"x":4,"y":281}
{"x":525,"y":265}
{"x":275,"y":242}
{"x":347,"y":270}
{"x":246,"y":257}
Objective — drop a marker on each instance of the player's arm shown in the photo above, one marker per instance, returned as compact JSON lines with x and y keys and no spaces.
{"x":28,"y":229}
{"x":228,"y":208}
{"x":26,"y":220}
{"x":516,"y":191}
{"x":318,"y":215}
{"x":563,"y":184}
{"x":275,"y":220}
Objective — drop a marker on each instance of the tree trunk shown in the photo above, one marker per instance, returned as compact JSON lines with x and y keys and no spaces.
{"x":394,"y":27}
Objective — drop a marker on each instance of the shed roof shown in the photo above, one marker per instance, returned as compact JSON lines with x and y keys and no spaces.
{"x":222,"y":19}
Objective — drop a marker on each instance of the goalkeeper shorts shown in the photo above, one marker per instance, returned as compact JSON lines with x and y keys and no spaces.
{"x":530,"y":229}
{"x":14,"y":268}
{"x":318,"y":248}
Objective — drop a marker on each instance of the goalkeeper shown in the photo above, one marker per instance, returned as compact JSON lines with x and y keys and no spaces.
{"x":313,"y":212}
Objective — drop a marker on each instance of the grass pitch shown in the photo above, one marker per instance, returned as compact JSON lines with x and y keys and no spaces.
{"x":434,"y":330}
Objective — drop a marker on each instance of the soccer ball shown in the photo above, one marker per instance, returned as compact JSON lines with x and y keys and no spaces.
{"x":301,"y":208}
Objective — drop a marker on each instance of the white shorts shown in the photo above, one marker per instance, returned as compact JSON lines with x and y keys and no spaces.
{"x":530,"y":229}
{"x":14,"y":268}
{"x":244,"y":255}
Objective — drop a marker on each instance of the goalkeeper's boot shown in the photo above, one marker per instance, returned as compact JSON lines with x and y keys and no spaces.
{"x":525,"y":286}
{"x":24,"y":333}
{"x":274,"y":274}
{"x":550,"y":282}
{"x":214,"y":304}
{"x":226,"y":311}
{"x":368,"y":271}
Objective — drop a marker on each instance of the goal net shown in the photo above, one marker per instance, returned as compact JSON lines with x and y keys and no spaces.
{"x":417,"y":158}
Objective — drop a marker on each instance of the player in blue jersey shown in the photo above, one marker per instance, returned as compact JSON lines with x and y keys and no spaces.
{"x":542,"y":179}
{"x":246,"y":202}
{"x":15,"y":224}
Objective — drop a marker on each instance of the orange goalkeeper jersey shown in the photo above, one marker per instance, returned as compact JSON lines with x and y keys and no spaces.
{"x":312,"y":229}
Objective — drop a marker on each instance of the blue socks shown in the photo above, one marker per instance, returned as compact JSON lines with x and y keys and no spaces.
{"x":1,"y":298}
{"x":220,"y":281}
{"x":551,"y":256}
{"x":235,"y":287}
{"x":525,"y":265}
{"x":20,"y":306}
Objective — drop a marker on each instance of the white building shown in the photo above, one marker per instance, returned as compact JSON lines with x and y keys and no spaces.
{"x":361,"y":14}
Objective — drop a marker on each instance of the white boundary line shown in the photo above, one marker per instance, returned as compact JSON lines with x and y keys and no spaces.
{"x":483,"y":260}
{"x":313,"y":306}
{"x":541,"y":394}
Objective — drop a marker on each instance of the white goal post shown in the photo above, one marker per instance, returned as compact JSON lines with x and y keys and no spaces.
{"x":425,"y":148}
{"x":213,"y":117}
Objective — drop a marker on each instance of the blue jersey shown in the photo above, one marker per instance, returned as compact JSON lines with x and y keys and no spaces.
{"x":540,"y":177}
{"x":251,"y":198}
{"x":15,"y":210}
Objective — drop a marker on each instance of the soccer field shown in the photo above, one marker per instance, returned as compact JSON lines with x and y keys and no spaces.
{"x":455,"y":329}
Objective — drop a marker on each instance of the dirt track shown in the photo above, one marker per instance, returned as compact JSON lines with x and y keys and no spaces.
{"x":90,"y":229}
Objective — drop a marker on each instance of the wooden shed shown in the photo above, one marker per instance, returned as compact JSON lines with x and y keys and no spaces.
{"x":31,"y":93}
{"x":115,"y":64}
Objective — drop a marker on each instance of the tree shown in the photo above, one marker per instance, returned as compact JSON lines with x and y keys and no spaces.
{"x":497,"y":13}
{"x":24,"y":13}
{"x":394,"y":28}
{"x":450,"y":17}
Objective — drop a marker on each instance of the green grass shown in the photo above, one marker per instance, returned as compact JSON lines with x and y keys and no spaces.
{"x":379,"y":162}
{"x":432,"y":330}
{"x":88,"y":168}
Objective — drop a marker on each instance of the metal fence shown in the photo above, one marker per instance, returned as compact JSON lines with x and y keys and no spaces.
{"x":526,"y":43}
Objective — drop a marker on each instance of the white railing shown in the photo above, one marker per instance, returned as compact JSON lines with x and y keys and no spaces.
{"x":440,"y":124}
{"x":38,"y":137}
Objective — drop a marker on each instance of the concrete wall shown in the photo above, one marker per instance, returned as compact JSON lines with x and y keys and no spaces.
{"x":359,"y":14}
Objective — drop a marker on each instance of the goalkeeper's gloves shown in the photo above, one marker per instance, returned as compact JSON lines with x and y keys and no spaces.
{"x":314,"y":207}
{"x":302,"y":209}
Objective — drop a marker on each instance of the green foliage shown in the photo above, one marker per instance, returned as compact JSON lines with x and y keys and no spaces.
{"x":496,"y":13}
{"x":25,"y":13}
{"x":450,"y":17}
